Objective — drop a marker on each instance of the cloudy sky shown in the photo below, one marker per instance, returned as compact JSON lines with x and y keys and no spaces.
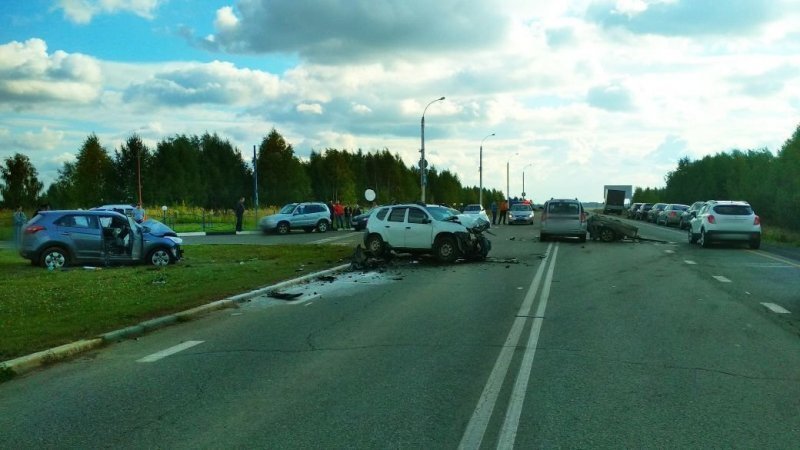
{"x":579,"y":93}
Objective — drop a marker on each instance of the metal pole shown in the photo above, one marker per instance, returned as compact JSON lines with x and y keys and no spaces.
{"x":139,"y":171}
{"x":508,"y":191}
{"x":480,"y":171}
{"x":255,"y":186}
{"x":422,"y":163}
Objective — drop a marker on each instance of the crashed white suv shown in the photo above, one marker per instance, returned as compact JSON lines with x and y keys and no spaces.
{"x":719,"y":220}
{"x":426,"y":229}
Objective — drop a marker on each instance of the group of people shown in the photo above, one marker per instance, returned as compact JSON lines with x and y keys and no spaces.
{"x":503,"y":219}
{"x":341,"y":215}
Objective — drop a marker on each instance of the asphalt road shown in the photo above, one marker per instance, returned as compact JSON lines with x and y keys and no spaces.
{"x":557,"y":344}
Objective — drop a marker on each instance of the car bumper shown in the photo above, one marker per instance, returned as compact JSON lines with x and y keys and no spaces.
{"x":733,"y":235}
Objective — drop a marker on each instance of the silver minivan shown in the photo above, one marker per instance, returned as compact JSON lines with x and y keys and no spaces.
{"x":563,"y":217}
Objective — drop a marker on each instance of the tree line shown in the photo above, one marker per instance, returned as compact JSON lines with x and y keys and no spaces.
{"x":770,"y":183}
{"x":209,"y":172}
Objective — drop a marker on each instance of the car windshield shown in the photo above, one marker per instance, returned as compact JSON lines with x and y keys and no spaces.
{"x":288,"y":209}
{"x":519,"y":207}
{"x":472,"y":208}
{"x":440,"y":212}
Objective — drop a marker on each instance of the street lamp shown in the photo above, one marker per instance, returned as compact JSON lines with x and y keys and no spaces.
{"x":523,"y":179}
{"x":480,"y":171}
{"x":423,"y":164}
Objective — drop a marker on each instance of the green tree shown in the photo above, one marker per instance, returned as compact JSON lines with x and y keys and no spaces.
{"x":93,"y":174}
{"x":225,"y":174}
{"x":20,"y":186}
{"x":282,"y":178}
{"x":173,"y":174}
{"x":129,"y":159}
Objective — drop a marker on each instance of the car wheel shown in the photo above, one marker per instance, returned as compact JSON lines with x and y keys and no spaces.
{"x":692,"y":236}
{"x":322,"y":226}
{"x":446,"y":249}
{"x":704,"y":240}
{"x":54,"y":258}
{"x":282,"y":228}
{"x":582,"y":237}
{"x":607,"y":234}
{"x":375,"y":245}
{"x":755,"y":244}
{"x":159,"y":257}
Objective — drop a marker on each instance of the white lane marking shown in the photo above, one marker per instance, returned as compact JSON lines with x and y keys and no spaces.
{"x":776,"y":308}
{"x":331,"y":239}
{"x":473,"y":435}
{"x":689,"y":261}
{"x":508,"y":433}
{"x":309,"y":304}
{"x":721,"y":279}
{"x":170,"y":351}
{"x":669,"y":251}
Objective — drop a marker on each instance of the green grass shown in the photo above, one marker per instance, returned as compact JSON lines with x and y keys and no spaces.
{"x":780,"y":235}
{"x":41,"y":309}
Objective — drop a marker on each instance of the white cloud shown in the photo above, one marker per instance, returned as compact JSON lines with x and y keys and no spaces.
{"x":310,"y":108}
{"x":83,"y":11}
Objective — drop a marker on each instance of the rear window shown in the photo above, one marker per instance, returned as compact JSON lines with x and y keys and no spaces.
{"x":680,"y":207}
{"x":381,"y":214}
{"x":563,"y":208}
{"x":733,"y":210}
{"x":398,"y":215}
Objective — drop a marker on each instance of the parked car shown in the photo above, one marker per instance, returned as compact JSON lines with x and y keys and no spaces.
{"x":671,"y":215}
{"x":631,"y":212}
{"x":477,"y":210}
{"x":359,"y":221}
{"x":520,"y":213}
{"x":563,"y":217}
{"x":307,"y":216}
{"x":55,"y":239}
{"x":652,"y":214}
{"x":725,"y":221}
{"x":120,"y":208}
{"x":641,"y":213}
{"x":424,"y":228}
{"x":687,"y":215}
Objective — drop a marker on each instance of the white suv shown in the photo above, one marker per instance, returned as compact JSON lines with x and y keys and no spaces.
{"x":426,"y":229}
{"x":719,"y":220}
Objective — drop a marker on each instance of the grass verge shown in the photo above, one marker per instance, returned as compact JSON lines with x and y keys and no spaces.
{"x":41,"y":309}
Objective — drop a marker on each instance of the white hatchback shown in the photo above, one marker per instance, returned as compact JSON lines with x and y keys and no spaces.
{"x":719,"y":220}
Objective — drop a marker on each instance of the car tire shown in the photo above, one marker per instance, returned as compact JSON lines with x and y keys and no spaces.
{"x":55,"y":257}
{"x":692,"y":237}
{"x":755,"y":244}
{"x":282,"y":228}
{"x":375,"y":245}
{"x":607,"y":234}
{"x":322,"y":226}
{"x":160,"y":257}
{"x":446,"y":249}
{"x":705,"y":242}
{"x":582,"y":237}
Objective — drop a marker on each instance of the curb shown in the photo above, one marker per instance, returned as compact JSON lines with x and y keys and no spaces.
{"x":25,"y":364}
{"x":216,"y":233}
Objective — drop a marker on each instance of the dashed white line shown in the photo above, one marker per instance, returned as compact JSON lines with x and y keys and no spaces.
{"x":721,"y":279}
{"x":170,"y":351}
{"x":778,"y":309}
{"x":669,"y":251}
{"x":689,"y":261}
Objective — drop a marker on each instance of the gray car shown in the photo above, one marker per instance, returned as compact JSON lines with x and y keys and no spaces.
{"x":563,"y":217}
{"x":54,"y":239}
{"x":520,"y":213}
{"x":307,"y":216}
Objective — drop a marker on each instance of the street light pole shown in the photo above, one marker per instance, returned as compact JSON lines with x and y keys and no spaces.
{"x":523,"y":179}
{"x":480,"y":171}
{"x":423,"y":164}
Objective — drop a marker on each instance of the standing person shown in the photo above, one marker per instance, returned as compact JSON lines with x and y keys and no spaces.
{"x":348,"y":213}
{"x":19,"y":221}
{"x":332,"y":210}
{"x":138,"y":213}
{"x":503,"y":212}
{"x":239,"y":214}
{"x":494,"y":212}
{"x":338,"y":210}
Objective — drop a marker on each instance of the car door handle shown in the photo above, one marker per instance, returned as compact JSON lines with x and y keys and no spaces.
{"x":386,"y":226}
{"x":408,"y":228}
{"x":65,"y":233}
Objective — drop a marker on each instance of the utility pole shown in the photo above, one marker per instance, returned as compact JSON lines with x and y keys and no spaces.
{"x":255,"y":185}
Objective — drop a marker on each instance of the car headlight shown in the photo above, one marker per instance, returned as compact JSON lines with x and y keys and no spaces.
{"x":174,"y":239}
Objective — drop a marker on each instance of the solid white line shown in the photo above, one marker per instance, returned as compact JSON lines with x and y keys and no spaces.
{"x":170,"y":351}
{"x":476,"y":428}
{"x":690,"y":262}
{"x":776,"y":308}
{"x":331,"y":239}
{"x":721,"y":279}
{"x":508,"y":433}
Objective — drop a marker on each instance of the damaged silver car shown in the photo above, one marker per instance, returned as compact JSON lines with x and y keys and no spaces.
{"x":421,"y":228}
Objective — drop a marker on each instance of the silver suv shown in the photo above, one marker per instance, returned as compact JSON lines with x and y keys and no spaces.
{"x":308,"y":216}
{"x":54,"y":239}
{"x":725,"y":220}
{"x":563,"y":217}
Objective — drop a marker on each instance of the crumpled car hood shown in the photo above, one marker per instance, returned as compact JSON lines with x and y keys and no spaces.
{"x":158,"y":229}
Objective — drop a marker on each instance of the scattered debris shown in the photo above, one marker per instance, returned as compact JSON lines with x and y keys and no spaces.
{"x":283,"y":295}
{"x":503,"y":260}
{"x":327,"y":278}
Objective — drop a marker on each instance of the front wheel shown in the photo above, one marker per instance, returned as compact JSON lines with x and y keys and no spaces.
{"x":54,"y":258}
{"x":159,"y":257}
{"x":446,"y":249}
{"x":282,"y":228}
{"x":375,"y":245}
{"x":322,"y":226}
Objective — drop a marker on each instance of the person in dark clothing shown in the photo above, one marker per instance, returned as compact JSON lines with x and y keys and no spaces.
{"x":239,"y":214}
